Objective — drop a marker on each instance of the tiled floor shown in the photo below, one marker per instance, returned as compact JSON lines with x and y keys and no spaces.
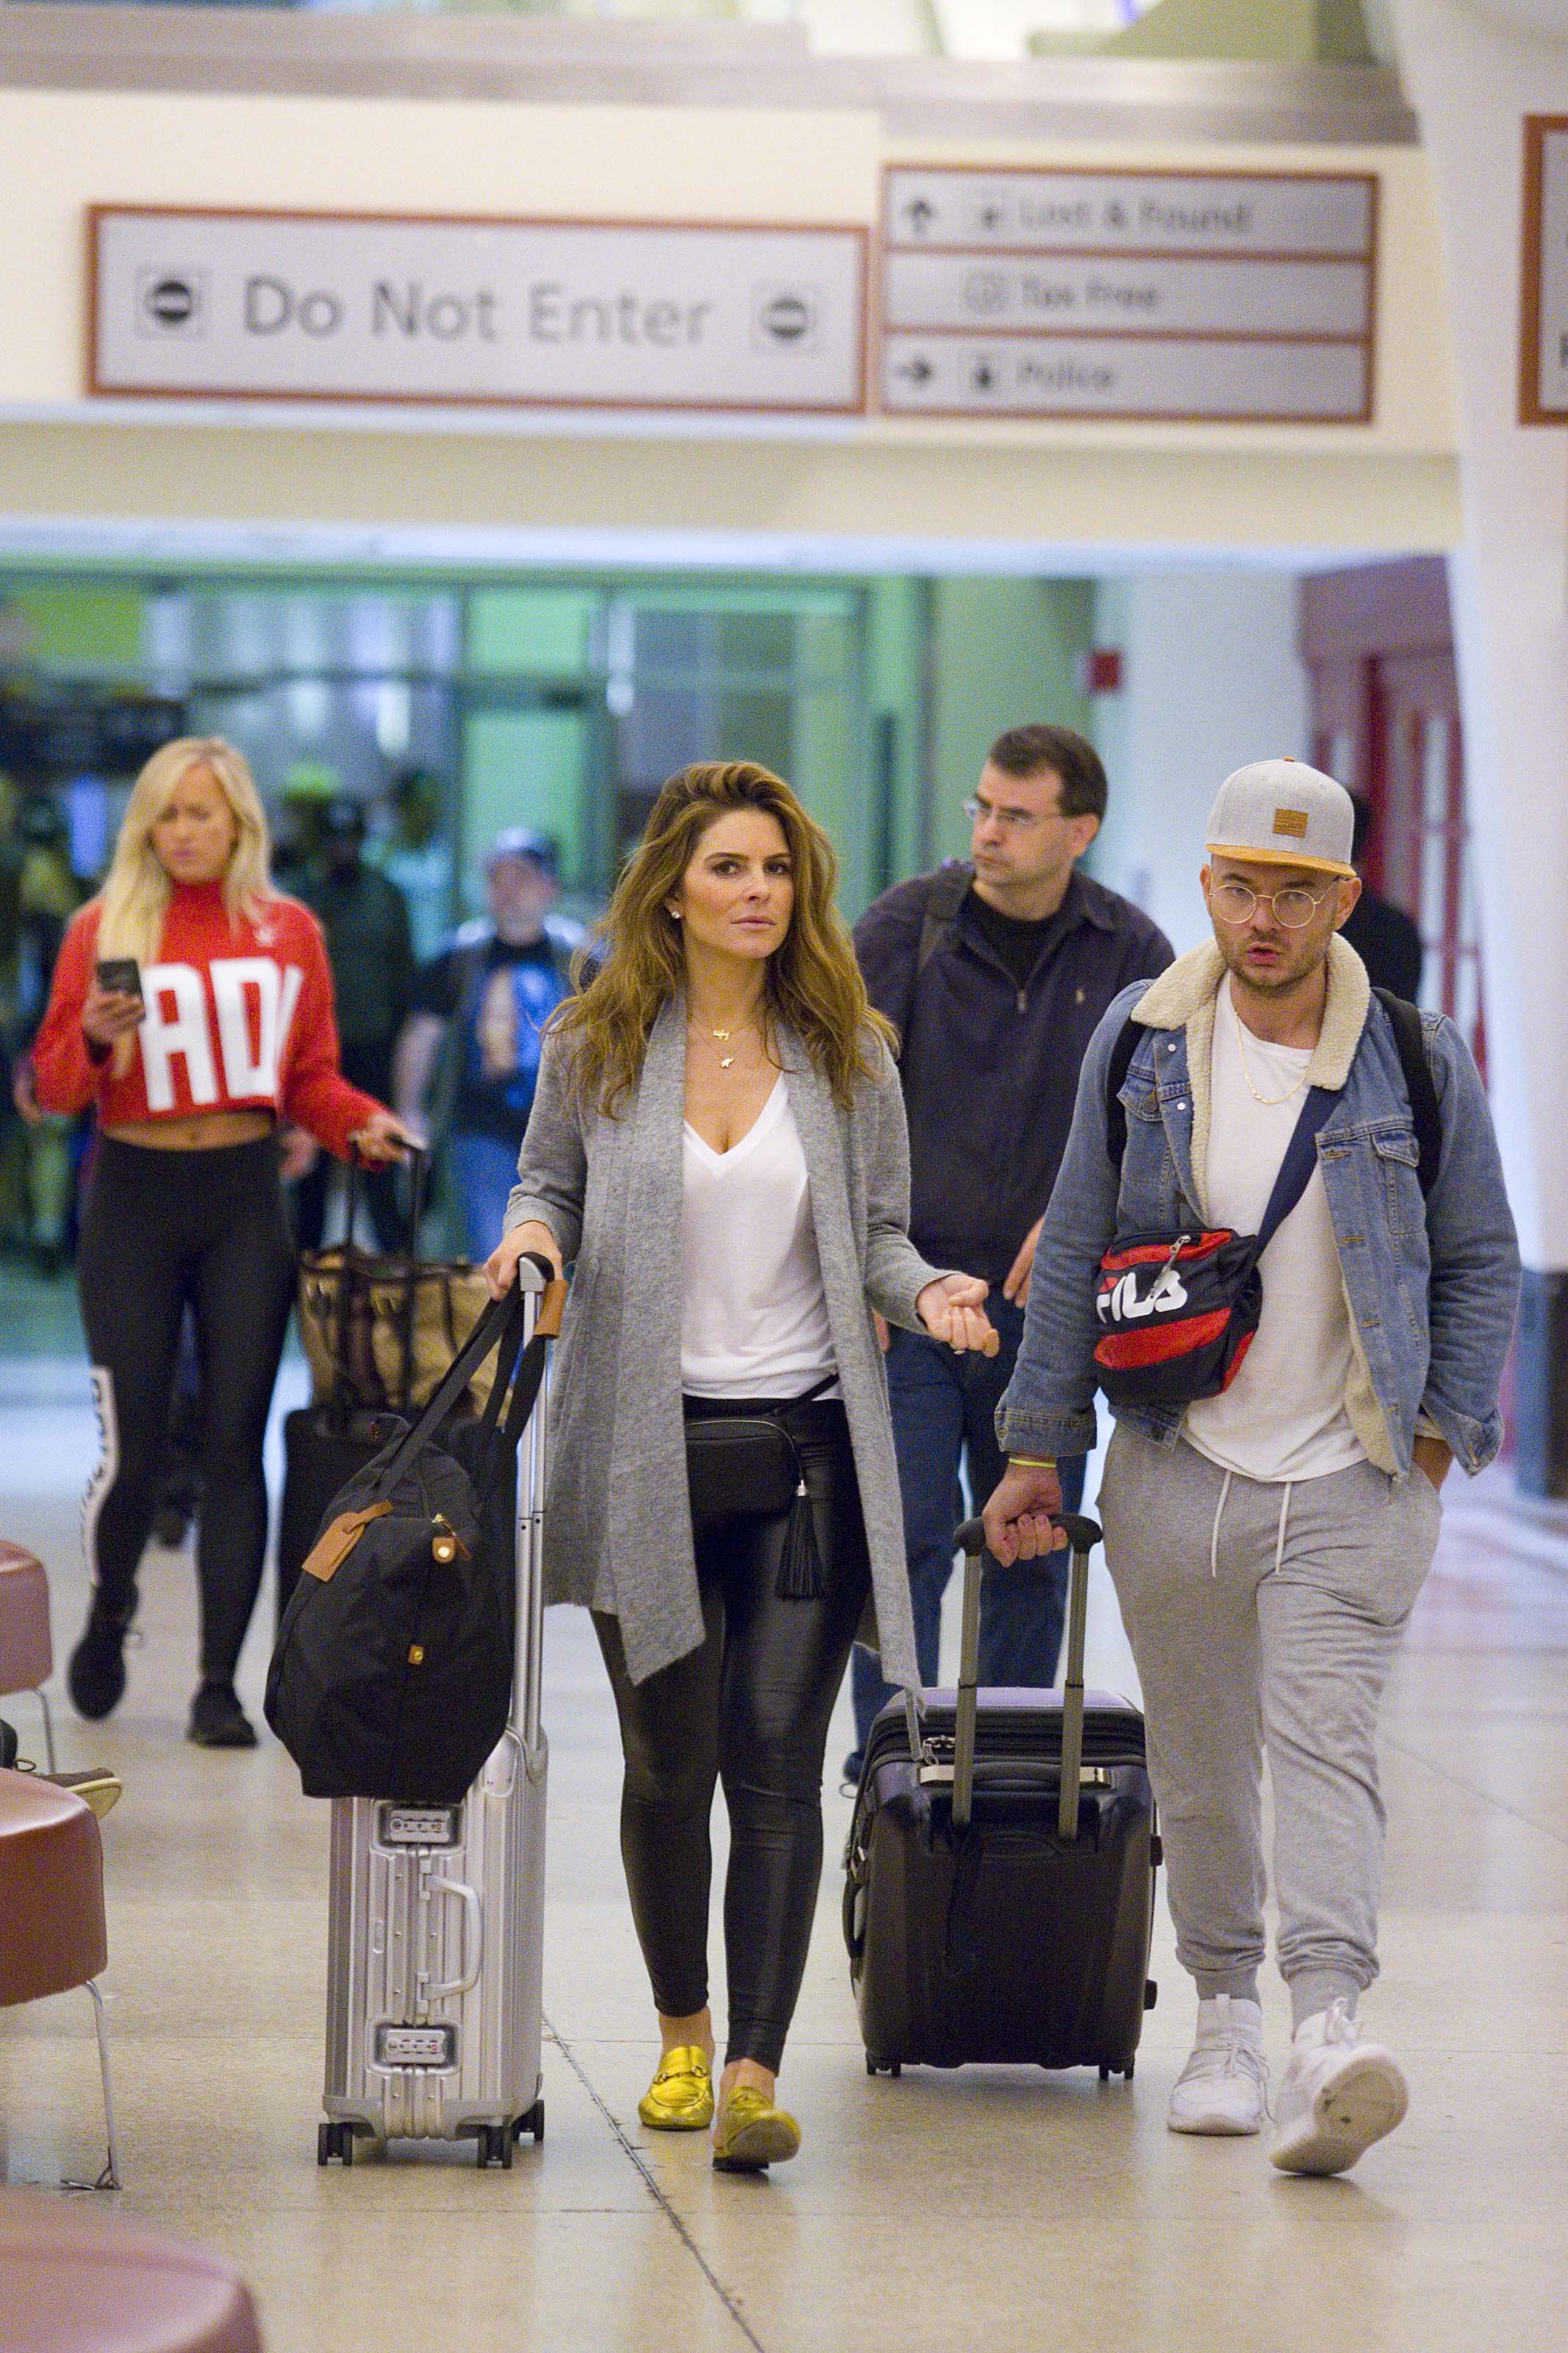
{"x":988,"y":2209}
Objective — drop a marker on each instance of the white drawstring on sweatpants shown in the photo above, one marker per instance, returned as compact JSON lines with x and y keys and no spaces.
{"x":1213,"y":1539}
{"x":1219,"y":1514}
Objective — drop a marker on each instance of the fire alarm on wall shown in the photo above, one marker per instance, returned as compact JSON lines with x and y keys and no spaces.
{"x":1100,"y":670}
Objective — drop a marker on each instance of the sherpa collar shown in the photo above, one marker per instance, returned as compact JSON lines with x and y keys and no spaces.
{"x":1187,"y":990}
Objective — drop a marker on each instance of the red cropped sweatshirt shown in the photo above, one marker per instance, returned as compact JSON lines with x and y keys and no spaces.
{"x":239,"y":1017}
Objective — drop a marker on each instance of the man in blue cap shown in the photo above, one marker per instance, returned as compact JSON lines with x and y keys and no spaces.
{"x":468,"y":1061}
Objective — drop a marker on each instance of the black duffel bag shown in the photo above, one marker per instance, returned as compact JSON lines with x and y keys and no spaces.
{"x":392,"y":1675}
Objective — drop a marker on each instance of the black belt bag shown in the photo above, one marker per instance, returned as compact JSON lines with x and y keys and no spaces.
{"x":1177,"y":1313}
{"x":749,"y":1464}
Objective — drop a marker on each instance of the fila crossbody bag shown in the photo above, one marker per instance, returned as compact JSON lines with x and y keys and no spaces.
{"x":1177,"y":1312}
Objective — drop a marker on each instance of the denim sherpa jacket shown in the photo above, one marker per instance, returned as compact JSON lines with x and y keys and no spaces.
{"x":1431,"y":1289}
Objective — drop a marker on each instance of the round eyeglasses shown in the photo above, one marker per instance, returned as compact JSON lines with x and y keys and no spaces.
{"x":1236,"y":902}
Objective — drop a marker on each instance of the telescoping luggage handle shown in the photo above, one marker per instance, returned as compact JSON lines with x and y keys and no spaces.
{"x":419,"y":1187}
{"x":532,"y":1463}
{"x":1082,"y":1536}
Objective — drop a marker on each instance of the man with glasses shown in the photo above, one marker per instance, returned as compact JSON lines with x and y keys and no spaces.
{"x":995,"y":971}
{"x":1267,"y":1542}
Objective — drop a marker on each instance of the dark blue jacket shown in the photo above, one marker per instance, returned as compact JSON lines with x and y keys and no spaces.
{"x":989,"y":1071}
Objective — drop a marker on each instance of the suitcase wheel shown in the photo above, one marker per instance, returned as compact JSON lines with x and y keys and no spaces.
{"x":1150,"y":1993}
{"x":533,"y":2122}
{"x":335,"y":2140}
{"x":1107,"y":2071}
{"x":883,"y":2066}
{"x":494,"y":2146}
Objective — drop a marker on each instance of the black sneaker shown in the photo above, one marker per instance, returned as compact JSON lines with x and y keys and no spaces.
{"x":96,"y":1675}
{"x":218,"y":1719}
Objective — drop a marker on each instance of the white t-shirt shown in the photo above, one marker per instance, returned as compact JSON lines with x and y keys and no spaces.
{"x":754,"y":1323}
{"x":1283,"y":1416}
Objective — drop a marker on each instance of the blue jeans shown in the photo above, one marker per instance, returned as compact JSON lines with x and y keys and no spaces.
{"x":942,"y":1404}
{"x":483,"y":1170}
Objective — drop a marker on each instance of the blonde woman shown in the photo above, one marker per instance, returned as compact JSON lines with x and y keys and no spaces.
{"x":718,"y":1141}
{"x":191,"y":1008}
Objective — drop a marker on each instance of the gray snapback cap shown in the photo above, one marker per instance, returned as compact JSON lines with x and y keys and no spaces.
{"x":1282,"y":813}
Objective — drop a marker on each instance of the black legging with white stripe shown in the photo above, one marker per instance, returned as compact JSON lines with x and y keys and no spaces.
{"x":162,"y":1230}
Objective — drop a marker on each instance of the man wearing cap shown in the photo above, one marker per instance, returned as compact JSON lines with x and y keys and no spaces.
{"x":468,"y":1061}
{"x":1268,"y":1544}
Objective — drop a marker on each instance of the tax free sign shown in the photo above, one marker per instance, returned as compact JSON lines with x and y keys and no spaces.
{"x":559,"y":315}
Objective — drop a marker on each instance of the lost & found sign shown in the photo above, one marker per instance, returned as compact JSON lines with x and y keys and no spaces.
{"x":1213,"y":297}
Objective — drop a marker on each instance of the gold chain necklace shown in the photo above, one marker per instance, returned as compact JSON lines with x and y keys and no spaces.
{"x":723,"y":1036}
{"x":1268,"y":1101}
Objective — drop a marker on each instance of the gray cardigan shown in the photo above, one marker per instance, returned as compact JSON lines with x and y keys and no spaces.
{"x":618,"y":1529}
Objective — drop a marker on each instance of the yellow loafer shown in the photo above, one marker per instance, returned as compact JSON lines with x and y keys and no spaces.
{"x":680,"y":2096}
{"x":753,"y":2132}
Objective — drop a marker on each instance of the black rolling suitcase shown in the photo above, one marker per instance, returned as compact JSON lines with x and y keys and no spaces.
{"x":1000,"y":1894}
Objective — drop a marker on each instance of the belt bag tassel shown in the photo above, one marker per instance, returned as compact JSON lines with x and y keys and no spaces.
{"x":800,"y":1565}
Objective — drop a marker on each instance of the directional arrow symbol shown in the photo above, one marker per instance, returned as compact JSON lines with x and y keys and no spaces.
{"x":917,"y":370}
{"x":921,"y":215}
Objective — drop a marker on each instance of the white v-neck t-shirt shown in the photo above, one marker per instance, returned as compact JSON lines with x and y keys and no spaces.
{"x":754,"y":1322}
{"x":1283,"y":1416}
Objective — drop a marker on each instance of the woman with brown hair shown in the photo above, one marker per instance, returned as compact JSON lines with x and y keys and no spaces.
{"x":191,"y":1008}
{"x":718,"y":1141}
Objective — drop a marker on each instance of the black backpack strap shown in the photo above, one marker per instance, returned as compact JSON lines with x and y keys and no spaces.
{"x":1116,"y":1072}
{"x":1410,"y":1036}
{"x":949,"y":889}
{"x":1296,"y":1168}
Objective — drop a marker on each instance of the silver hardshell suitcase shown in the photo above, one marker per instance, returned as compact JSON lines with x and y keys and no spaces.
{"x":436,"y":1914}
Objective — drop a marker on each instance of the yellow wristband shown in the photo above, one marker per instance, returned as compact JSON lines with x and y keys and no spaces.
{"x":1034,"y":1461}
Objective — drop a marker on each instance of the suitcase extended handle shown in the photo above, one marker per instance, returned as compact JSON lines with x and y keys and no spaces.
{"x":552,"y":1304}
{"x":1082,"y":1534}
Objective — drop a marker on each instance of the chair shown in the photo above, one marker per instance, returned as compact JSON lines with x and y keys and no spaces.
{"x":27,"y":1654}
{"x":53,"y":1935}
{"x":70,"y":2280}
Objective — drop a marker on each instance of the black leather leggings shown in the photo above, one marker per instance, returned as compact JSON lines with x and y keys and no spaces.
{"x":749,"y":1708}
{"x":162,"y":1230}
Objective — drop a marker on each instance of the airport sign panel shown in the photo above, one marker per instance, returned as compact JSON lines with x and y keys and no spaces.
{"x":1543,"y":326}
{"x":1207,"y":296}
{"x":306,"y":306}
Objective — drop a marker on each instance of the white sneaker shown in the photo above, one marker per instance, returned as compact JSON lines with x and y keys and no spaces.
{"x":1339,"y":2095}
{"x":1224,"y":2088}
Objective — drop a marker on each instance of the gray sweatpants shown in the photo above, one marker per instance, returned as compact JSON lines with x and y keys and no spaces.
{"x":1265,"y":1617}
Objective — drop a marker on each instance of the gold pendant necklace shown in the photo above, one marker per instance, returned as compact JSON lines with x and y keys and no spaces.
{"x":723,"y":1037}
{"x":1268,"y":1101}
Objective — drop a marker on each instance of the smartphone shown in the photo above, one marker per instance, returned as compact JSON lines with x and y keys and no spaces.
{"x":119,"y":976}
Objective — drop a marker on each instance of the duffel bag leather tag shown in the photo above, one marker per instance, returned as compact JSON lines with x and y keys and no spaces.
{"x":337,"y":1540}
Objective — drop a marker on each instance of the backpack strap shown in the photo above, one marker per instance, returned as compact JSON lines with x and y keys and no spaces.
{"x":1410,"y":1036}
{"x":1296,"y":1168}
{"x":949,"y":889}
{"x":1116,"y":1072}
